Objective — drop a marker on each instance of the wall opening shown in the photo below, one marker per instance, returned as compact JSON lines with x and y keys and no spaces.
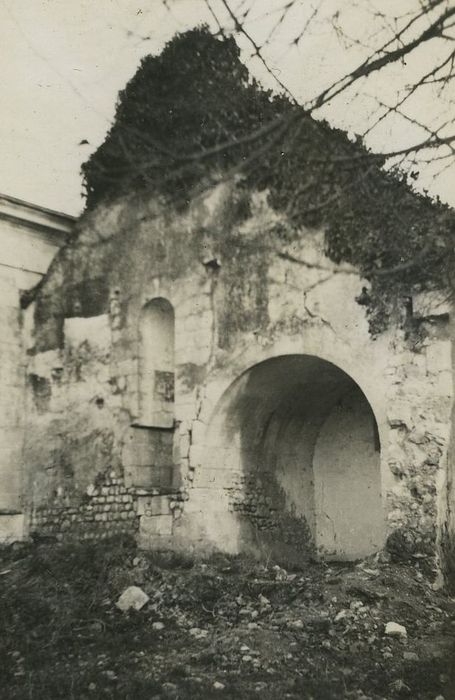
{"x":299,"y":446}
{"x":148,"y":450}
{"x":156,"y":364}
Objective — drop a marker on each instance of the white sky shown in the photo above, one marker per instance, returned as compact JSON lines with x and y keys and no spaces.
{"x":64,"y":61}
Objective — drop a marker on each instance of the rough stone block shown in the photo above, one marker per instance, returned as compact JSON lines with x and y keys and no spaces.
{"x":217,"y":478}
{"x":202,"y":498}
{"x":12,"y":528}
{"x":156,"y":525}
{"x":182,"y":447}
{"x":198,"y":431}
{"x":185,"y":411}
{"x":153,"y":505}
{"x":439,"y":356}
{"x":196,"y":455}
{"x":150,"y":477}
{"x":400,"y":413}
{"x":132,"y":598}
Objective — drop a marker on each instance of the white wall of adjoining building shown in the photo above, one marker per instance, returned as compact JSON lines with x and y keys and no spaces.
{"x":29,"y":238}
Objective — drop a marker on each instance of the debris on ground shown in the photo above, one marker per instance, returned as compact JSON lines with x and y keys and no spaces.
{"x":133,"y":598}
{"x":227,"y":627}
{"x":393,"y":629}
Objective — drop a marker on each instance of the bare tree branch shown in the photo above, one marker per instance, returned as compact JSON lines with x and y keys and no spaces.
{"x":257,"y":50}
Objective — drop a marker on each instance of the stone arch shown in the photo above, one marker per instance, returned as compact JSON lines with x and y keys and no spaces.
{"x":294,"y":452}
{"x":156,"y":364}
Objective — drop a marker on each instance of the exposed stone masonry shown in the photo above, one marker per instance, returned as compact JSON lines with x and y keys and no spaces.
{"x":106,"y":507}
{"x":255,"y":458}
{"x":247,"y":498}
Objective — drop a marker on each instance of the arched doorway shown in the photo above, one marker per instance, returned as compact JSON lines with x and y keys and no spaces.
{"x":300,"y":442}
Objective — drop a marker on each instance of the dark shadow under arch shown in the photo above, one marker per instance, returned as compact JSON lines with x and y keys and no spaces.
{"x":301,"y":442}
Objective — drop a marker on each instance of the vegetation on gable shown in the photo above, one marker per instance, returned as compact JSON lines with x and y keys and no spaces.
{"x":191,"y":98}
{"x":192,"y":116}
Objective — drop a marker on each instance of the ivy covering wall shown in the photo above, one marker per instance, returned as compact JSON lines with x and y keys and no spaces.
{"x":192,"y":116}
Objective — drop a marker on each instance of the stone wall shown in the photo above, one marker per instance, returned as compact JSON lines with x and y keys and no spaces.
{"x":236,"y":470}
{"x":106,"y":508}
{"x":29,"y":237}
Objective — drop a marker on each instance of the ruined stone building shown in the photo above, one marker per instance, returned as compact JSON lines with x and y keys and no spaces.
{"x":199,"y":381}
{"x":195,"y":386}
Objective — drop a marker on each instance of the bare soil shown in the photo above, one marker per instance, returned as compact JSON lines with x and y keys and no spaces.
{"x":222,"y":628}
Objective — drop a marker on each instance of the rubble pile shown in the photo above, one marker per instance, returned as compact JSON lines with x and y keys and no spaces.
{"x":159,"y":626}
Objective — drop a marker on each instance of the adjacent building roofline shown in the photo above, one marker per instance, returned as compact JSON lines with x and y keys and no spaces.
{"x":48,"y":221}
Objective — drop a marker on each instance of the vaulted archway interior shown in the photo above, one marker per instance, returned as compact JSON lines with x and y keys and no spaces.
{"x":299,"y":444}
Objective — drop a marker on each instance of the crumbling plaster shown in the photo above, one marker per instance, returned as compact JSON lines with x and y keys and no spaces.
{"x":241,"y":296}
{"x":30,"y":236}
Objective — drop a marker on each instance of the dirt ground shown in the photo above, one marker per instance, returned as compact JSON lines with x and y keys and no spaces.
{"x":223,"y":628}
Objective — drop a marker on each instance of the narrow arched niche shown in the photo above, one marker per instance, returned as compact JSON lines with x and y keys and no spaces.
{"x":299,"y":444}
{"x":156,"y":364}
{"x":148,"y":450}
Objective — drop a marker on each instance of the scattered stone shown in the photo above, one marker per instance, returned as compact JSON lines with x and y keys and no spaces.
{"x":365,"y":593}
{"x":383,"y":557}
{"x":371,"y":572}
{"x":198,"y":633}
{"x":133,"y":598}
{"x":341,"y":615}
{"x":410,"y":656}
{"x":393,"y":629}
{"x":170,"y":689}
{"x":296,"y":624}
{"x":400,"y":687}
{"x":309,"y":626}
{"x":280,"y":574}
{"x":318,"y":622}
